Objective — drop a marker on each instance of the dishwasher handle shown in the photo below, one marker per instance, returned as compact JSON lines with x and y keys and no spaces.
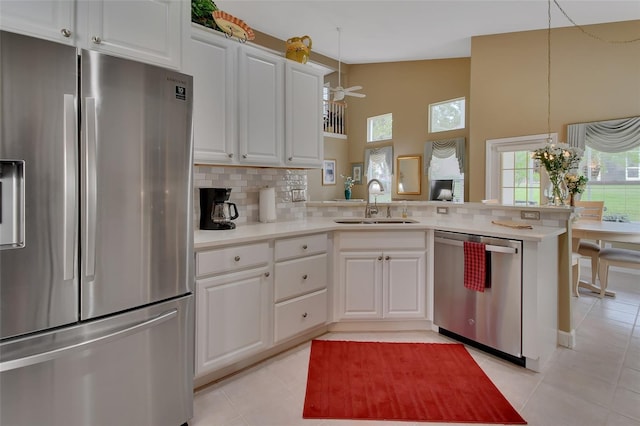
{"x":488,"y":247}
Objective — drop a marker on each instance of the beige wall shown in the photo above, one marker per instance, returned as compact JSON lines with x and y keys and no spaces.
{"x":590,"y":80}
{"x":335,"y":149}
{"x":405,"y":89}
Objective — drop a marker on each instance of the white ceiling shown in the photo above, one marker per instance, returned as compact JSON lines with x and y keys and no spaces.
{"x":389,"y":31}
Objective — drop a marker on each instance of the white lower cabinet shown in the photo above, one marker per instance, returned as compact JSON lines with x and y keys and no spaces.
{"x":300,"y":294}
{"x":233,"y":309}
{"x":385,"y":283}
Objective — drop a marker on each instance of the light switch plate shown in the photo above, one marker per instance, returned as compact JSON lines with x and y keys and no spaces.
{"x":530,"y":214}
{"x":442,"y":210}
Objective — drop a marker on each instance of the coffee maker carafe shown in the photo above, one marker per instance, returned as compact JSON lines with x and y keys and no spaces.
{"x":215,"y":211}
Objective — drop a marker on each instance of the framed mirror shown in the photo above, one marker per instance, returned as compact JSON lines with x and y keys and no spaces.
{"x":409,"y":179}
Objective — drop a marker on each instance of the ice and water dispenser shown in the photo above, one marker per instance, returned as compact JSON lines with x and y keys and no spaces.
{"x":11,"y":204}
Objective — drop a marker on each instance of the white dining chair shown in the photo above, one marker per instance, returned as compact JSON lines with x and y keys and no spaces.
{"x":625,"y":258}
{"x":590,"y":210}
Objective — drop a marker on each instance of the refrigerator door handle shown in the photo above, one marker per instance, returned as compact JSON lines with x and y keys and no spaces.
{"x":67,"y":350}
{"x":69,"y":229}
{"x":91,"y":186}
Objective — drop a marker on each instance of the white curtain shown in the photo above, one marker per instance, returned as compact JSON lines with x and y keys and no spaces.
{"x":606,"y":136}
{"x":444,"y":149}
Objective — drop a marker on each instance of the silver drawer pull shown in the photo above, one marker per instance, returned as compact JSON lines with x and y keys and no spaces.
{"x":387,"y":257}
{"x":379,"y":257}
{"x":267,"y":274}
{"x":65,"y":32}
{"x":305,"y":315}
{"x":304,"y":277}
{"x":304,"y":247}
{"x":96,"y":40}
{"x":237,"y":258}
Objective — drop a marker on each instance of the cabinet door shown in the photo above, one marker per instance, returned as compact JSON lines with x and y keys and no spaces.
{"x":148,"y":31}
{"x":360,"y":285}
{"x":304,"y":137}
{"x":232,"y":318}
{"x":261,"y":108}
{"x":50,"y":19}
{"x":211,"y":60}
{"x":404,"y":284}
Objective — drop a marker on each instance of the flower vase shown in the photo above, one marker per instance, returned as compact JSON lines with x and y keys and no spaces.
{"x":347,"y":194}
{"x":556,"y":192}
{"x":572,"y":200}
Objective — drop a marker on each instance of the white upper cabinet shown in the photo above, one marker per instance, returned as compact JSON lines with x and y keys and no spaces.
{"x":211,"y":61}
{"x":48,"y":19}
{"x":304,"y":138}
{"x":261,"y":107}
{"x":148,"y":30}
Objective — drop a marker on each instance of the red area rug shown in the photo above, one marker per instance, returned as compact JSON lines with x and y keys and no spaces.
{"x":401,"y":381}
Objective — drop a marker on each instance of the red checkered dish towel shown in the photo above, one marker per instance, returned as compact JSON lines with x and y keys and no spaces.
{"x":474,"y":266}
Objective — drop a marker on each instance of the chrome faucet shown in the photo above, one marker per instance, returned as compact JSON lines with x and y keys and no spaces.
{"x":369,"y":209}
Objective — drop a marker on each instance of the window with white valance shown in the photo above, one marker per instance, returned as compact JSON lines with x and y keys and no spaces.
{"x":611,"y":163}
{"x":444,"y":159}
{"x":379,"y":165}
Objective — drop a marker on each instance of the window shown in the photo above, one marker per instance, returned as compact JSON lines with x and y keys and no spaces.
{"x":380,"y":128}
{"x":447,"y":115}
{"x":379,"y":165}
{"x":519,"y":178}
{"x":613,"y":178}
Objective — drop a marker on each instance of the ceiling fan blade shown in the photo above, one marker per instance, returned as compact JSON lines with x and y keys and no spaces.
{"x":357,"y":95}
{"x":336,"y":89}
{"x":353,"y":88}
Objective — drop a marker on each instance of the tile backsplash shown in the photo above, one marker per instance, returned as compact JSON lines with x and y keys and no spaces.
{"x":245,"y":184}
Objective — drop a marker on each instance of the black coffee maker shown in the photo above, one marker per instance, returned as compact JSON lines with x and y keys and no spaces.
{"x":215,"y":211}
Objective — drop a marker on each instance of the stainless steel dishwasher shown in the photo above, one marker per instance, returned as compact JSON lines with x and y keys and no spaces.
{"x":490,"y":320}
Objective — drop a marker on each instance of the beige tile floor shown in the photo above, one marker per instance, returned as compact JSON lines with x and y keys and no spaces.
{"x":596,"y":383}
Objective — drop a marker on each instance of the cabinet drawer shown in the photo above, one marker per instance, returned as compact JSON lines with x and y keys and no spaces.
{"x":300,"y":246}
{"x":297,"y":315}
{"x":300,"y":276}
{"x":232,"y":258}
{"x":382,"y":240}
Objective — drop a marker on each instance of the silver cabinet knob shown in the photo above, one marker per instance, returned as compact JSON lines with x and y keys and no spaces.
{"x":304,"y":247}
{"x":387,"y":258}
{"x":237,"y":258}
{"x":379,"y":257}
{"x":290,"y":158}
{"x":65,"y":32}
{"x":305,"y":315}
{"x":230,"y":155}
{"x":244,"y":156}
{"x":96,"y":40}
{"x":305,"y":276}
{"x":267,"y":274}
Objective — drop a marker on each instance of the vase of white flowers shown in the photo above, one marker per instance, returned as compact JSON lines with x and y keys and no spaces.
{"x":557,"y":161}
{"x":348,"y":184}
{"x":575,"y":185}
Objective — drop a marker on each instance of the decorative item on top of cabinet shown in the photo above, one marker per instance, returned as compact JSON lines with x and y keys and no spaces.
{"x":298,"y":50}
{"x":300,"y":285}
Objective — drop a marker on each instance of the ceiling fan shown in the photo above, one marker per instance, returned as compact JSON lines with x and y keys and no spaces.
{"x":340,"y":92}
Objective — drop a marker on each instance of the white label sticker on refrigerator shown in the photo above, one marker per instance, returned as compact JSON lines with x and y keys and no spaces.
{"x":181,"y":93}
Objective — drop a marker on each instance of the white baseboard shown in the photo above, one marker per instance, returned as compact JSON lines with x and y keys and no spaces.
{"x":567,"y":340}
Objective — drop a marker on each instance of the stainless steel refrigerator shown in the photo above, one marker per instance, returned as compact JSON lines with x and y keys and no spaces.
{"x":96,"y":239}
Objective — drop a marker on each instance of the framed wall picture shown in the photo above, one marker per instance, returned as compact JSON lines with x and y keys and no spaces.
{"x":356,"y":173}
{"x":329,"y":172}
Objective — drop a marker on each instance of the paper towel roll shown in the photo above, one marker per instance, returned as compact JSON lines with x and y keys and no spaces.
{"x":267,"y":205}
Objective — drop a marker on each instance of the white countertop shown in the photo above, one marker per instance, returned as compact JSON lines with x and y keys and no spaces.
{"x":261,"y":231}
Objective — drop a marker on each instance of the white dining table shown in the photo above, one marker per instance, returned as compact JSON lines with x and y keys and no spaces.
{"x":623,"y":232}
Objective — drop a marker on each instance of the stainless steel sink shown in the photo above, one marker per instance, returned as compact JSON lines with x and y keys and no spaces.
{"x":386,"y":220}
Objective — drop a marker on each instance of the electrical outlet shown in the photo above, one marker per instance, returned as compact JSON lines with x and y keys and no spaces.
{"x":442,"y":210}
{"x":530,"y":214}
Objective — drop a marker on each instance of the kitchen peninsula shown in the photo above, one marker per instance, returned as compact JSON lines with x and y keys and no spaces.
{"x":282,"y":282}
